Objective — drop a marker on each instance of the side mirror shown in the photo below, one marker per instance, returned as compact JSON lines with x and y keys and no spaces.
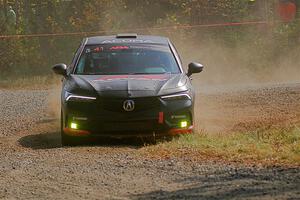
{"x":194,"y":68}
{"x":60,"y":69}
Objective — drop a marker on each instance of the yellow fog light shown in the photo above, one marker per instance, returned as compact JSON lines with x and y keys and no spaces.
{"x":74,"y":125}
{"x":183,"y":124}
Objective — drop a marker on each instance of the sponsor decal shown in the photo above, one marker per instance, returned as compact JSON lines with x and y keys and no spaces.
{"x":98,"y":49}
{"x":126,"y":41}
{"x":119,"y":48}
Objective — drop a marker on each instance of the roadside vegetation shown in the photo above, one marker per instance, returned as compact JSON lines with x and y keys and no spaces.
{"x":275,"y":147}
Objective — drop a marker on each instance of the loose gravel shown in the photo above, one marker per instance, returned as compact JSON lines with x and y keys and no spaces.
{"x":33,"y":165}
{"x":21,"y":110}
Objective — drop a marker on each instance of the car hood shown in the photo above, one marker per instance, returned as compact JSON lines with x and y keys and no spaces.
{"x":131,"y":85}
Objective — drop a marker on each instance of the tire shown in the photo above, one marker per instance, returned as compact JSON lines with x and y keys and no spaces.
{"x":67,"y":140}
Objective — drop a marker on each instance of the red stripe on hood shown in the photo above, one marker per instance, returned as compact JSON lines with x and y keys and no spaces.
{"x":160,"y":77}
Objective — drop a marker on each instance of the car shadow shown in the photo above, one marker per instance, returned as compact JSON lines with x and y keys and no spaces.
{"x":41,"y":141}
{"x":269,"y":183}
{"x":52,"y":140}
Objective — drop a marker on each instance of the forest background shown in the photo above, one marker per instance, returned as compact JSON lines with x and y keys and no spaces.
{"x":239,"y":41}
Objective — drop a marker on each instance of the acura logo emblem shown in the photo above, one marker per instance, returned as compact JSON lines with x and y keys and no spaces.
{"x":129,"y":105}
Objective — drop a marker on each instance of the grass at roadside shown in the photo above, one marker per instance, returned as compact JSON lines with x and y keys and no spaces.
{"x":267,"y":148}
{"x":34,"y":82}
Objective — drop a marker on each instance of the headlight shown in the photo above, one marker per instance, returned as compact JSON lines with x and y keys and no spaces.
{"x":78,"y":98}
{"x":179,"y":96}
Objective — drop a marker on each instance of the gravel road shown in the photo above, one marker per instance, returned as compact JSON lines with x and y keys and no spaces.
{"x":33,"y":165}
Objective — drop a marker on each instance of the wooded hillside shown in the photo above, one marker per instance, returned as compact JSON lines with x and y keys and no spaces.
{"x":271,"y":37}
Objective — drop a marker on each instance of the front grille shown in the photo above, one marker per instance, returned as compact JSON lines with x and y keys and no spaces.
{"x":141,"y":104}
{"x":130,"y":126}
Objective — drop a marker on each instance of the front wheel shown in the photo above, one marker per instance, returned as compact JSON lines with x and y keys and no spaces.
{"x":67,"y":140}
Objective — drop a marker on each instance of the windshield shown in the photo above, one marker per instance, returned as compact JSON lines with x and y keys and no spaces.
{"x":127,"y":59}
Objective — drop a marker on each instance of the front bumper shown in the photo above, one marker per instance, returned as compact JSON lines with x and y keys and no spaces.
{"x":152,"y":116}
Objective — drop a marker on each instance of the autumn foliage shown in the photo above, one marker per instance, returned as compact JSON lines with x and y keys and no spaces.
{"x":35,"y":55}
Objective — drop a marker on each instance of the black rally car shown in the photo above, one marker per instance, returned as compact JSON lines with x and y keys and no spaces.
{"x":126,"y":85}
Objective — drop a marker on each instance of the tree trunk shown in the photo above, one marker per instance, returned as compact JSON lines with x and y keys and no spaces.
{"x":5,"y":7}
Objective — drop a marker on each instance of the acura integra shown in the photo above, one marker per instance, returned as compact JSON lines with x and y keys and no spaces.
{"x":126,"y":86}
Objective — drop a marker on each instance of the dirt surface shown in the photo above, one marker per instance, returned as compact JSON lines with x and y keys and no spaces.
{"x":242,"y":108}
{"x":33,"y":165}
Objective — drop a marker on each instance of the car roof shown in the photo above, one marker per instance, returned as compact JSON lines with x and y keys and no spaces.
{"x":127,"y":38}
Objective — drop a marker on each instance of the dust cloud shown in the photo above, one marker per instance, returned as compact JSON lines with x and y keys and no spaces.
{"x":242,"y":64}
{"x":54,"y":104}
{"x":234,"y":89}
